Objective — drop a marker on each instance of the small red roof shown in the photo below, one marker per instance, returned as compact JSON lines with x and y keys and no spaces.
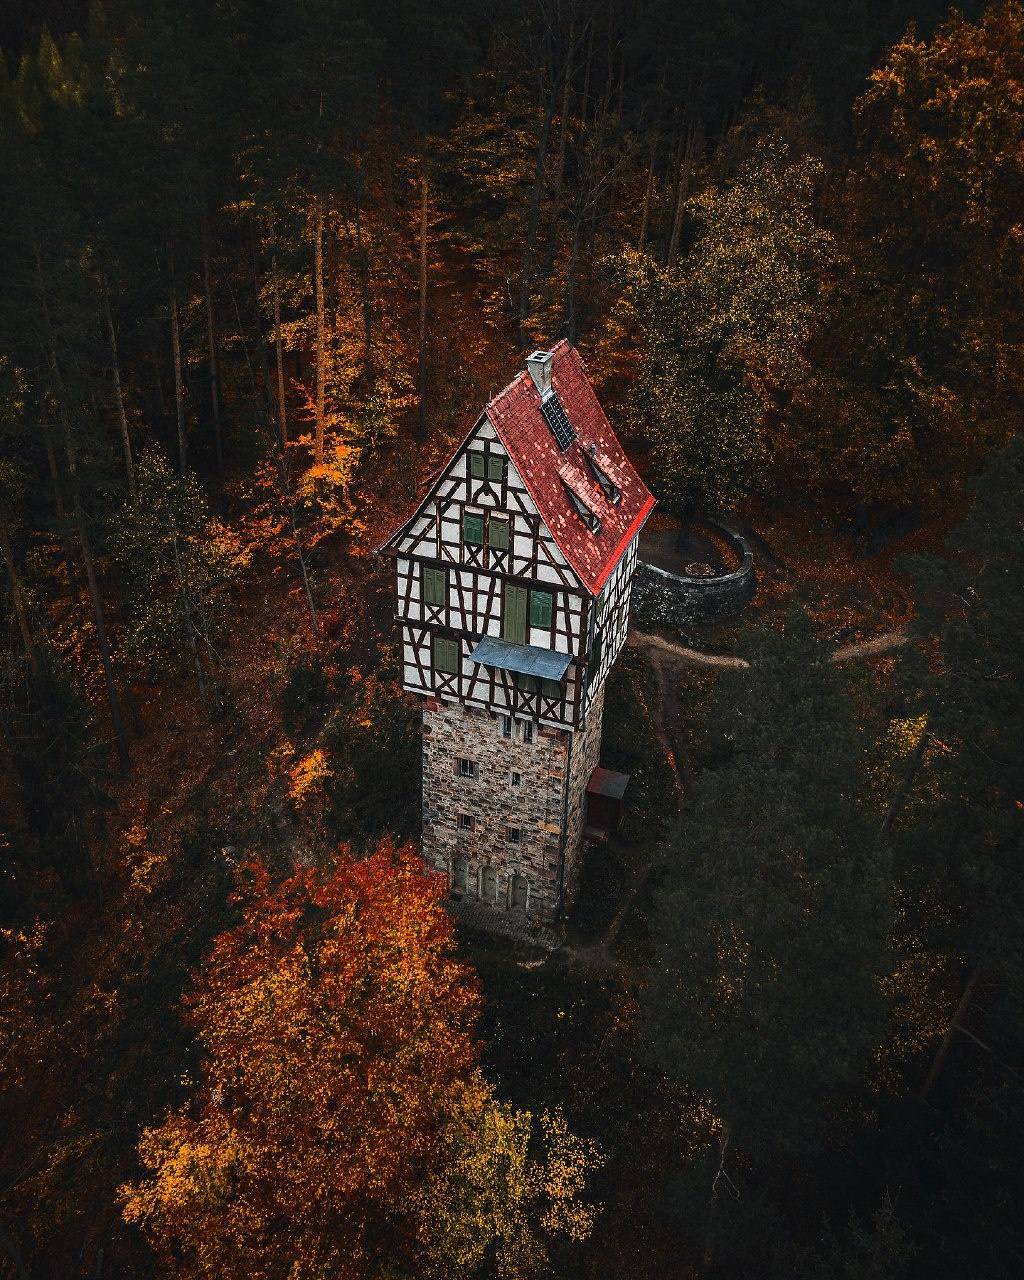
{"x":549,"y":474}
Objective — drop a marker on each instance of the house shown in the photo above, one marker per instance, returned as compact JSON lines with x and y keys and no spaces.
{"x":512,"y":592}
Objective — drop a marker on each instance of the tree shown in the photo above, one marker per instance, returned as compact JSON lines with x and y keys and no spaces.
{"x":339,"y":1096}
{"x":772,"y":921}
{"x":174,"y":560}
{"x":919,"y":373}
{"x":725,"y":333}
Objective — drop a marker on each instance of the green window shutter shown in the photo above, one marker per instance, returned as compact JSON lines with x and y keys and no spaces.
{"x":435,"y":586}
{"x":446,"y":655}
{"x":497,"y":534}
{"x":495,"y":467}
{"x":550,"y":688}
{"x":540,"y":608}
{"x":514,"y":615}
{"x":476,"y":464}
{"x":595,"y":658}
{"x":473,"y":530}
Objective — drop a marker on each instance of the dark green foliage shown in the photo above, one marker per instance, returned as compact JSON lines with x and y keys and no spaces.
{"x":305,"y":691}
{"x":58,"y":757}
{"x":175,"y":566}
{"x":374,"y":752}
{"x":774,"y":913}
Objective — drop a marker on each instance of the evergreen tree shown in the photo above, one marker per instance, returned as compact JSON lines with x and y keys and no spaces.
{"x":771,"y":927}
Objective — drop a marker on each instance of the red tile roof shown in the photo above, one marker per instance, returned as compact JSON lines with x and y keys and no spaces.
{"x":546,"y":470}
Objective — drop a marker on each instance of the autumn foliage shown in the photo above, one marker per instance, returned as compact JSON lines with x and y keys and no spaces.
{"x":337,"y":1035}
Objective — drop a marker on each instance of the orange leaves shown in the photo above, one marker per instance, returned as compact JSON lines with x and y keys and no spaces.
{"x":337,"y":1031}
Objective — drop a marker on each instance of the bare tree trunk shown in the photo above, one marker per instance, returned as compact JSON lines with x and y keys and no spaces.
{"x":947,"y":1039}
{"x":211,"y":335}
{"x":17,"y":595}
{"x":367,"y":299}
{"x":282,"y":407}
{"x":584,"y":101}
{"x":423,"y":301}
{"x":563,"y":134}
{"x":902,"y":791}
{"x":97,"y":612}
{"x":179,"y":391}
{"x":694,"y":141}
{"x":187,"y":612}
{"x":523,"y":308}
{"x":74,"y":583}
{"x":257,"y":321}
{"x":122,"y":419}
{"x":676,"y":171}
{"x":318,"y":284}
{"x":646,"y":215}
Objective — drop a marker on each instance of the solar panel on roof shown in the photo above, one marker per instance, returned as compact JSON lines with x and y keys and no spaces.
{"x":558,"y":420}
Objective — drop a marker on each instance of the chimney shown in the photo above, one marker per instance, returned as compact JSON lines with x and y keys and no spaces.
{"x":539,"y":365}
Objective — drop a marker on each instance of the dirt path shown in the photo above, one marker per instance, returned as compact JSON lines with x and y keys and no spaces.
{"x":657,"y":645}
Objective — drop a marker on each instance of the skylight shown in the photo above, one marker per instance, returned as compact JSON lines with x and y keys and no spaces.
{"x":608,"y":486}
{"x":592,"y":521}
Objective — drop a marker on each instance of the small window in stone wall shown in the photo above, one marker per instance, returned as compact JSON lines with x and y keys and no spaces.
{"x":515,"y":835}
{"x":466,"y":822}
{"x":466,"y":768}
{"x":527,"y":726}
{"x":506,"y":726}
{"x":517,"y":779}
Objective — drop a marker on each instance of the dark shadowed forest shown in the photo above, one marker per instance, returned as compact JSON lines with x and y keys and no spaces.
{"x":262,"y":265}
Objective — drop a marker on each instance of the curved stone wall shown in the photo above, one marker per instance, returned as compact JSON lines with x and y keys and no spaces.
{"x":676,"y":601}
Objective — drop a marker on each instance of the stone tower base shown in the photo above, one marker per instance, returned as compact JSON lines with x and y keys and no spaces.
{"x":503,"y":816}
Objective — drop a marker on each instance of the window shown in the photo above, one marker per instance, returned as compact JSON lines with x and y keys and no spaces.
{"x":446,"y":655}
{"x":517,"y":779}
{"x":527,"y":730}
{"x":531,"y":684}
{"x":540,"y":608}
{"x":472,"y":530}
{"x":595,"y":658}
{"x":491,"y":465}
{"x":514,"y":835}
{"x":506,"y":726}
{"x":467,"y":768}
{"x":600,"y":603}
{"x":466,"y":822}
{"x":513,"y":619}
{"x":497,"y":534}
{"x":583,"y":511}
{"x":608,"y":486}
{"x":435,"y":586}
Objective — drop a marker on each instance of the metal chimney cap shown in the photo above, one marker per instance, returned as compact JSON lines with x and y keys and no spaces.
{"x":539,"y":365}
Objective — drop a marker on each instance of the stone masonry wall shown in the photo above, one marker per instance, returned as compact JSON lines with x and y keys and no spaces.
{"x":676,"y":601}
{"x":534,"y":805}
{"x":584,"y":758}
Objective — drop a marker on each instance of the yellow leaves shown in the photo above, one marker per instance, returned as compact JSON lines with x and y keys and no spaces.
{"x":148,"y":870}
{"x":307,"y":775}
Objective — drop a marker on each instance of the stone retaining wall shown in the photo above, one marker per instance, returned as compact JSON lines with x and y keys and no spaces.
{"x":675,"y":601}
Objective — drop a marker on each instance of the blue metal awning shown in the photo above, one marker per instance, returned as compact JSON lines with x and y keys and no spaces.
{"x":527,"y":659}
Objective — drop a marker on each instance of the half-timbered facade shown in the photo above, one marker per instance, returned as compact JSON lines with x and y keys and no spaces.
{"x":512,"y":583}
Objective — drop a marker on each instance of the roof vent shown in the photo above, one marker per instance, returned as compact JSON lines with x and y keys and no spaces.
{"x":539,"y":365}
